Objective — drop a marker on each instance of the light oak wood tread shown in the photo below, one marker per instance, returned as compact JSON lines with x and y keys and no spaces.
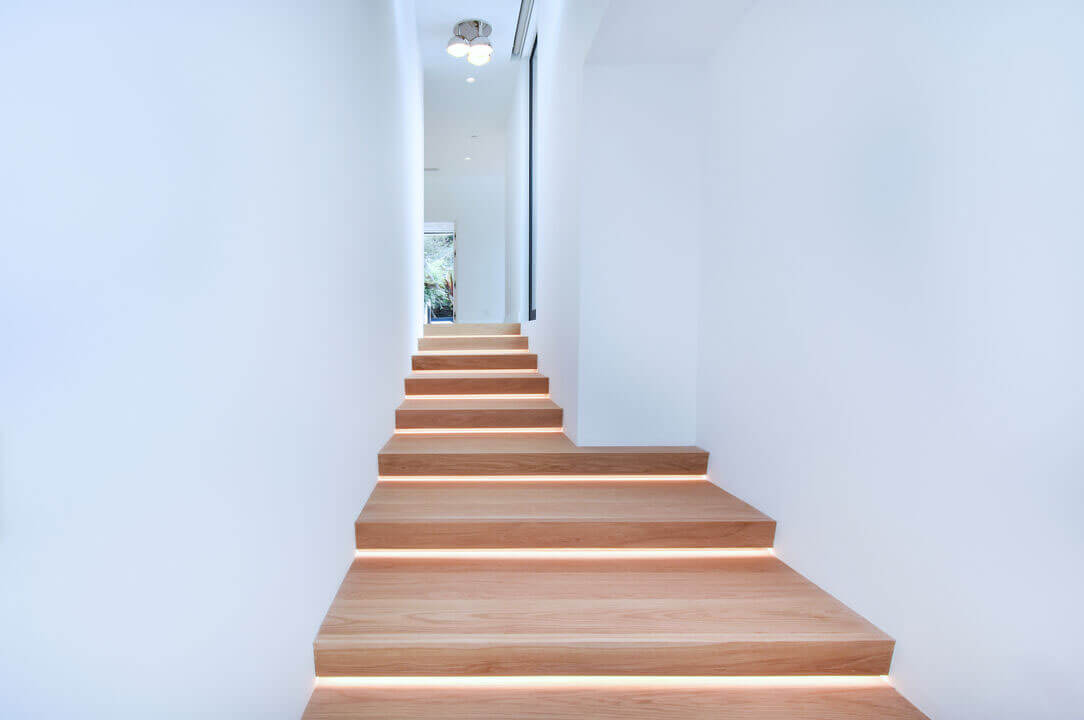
{"x":477,"y":383}
{"x":639,"y":702}
{"x":471,"y":413}
{"x":544,"y":454}
{"x":547,"y":514}
{"x":460,"y":329}
{"x":591,"y":616}
{"x":473,"y":342}
{"x":476,"y":361}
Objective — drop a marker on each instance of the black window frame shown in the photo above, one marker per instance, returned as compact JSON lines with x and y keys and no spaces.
{"x":532,"y":71}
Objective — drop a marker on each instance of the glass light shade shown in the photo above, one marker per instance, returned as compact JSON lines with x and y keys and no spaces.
{"x":480,"y":47}
{"x":458,"y":47}
{"x":478,"y":59}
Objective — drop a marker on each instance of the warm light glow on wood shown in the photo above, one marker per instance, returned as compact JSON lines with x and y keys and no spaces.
{"x":527,"y":371}
{"x":537,"y":478}
{"x":459,"y":396}
{"x":476,"y":351}
{"x":609,"y":681}
{"x":566,"y":554}
{"x":465,"y":431}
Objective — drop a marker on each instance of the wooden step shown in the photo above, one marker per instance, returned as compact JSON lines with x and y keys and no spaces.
{"x":446,"y":329}
{"x":470,"y":413}
{"x":481,"y":361}
{"x":529,"y":454}
{"x":567,"y":514}
{"x":503,"y":342}
{"x":644,"y":700}
{"x":478,"y":383}
{"x":591,"y":616}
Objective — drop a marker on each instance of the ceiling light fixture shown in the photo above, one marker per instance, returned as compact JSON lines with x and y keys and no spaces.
{"x":458,"y":47}
{"x":470,"y":79}
{"x":470,"y":39}
{"x":481,"y":51}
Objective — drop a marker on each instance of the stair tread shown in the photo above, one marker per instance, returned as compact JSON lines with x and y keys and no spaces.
{"x":461,"y":413}
{"x":527,"y":453}
{"x":473,"y":342}
{"x":547,"y":442}
{"x":662,"y":501}
{"x":570,"y":514}
{"x":604,"y":616}
{"x":466,"y":404}
{"x":480,"y":382}
{"x":481,"y":360}
{"x":640,"y":702}
{"x":465,"y":329}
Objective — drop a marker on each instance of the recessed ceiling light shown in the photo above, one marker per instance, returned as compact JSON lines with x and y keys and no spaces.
{"x":470,"y":80}
{"x":467,"y":158}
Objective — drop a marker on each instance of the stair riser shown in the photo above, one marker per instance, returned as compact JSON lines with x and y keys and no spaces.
{"x":486,"y":464}
{"x":636,"y":702}
{"x":539,"y":385}
{"x":450,"y":419}
{"x":463,"y":329}
{"x":510,"y":342}
{"x":520,"y":534}
{"x":508,"y":361}
{"x":569,"y":656}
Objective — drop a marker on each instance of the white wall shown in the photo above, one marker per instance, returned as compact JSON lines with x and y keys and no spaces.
{"x":475,"y":203}
{"x":641,"y":204}
{"x":516,"y":210}
{"x":619,"y":192}
{"x":565,"y":29}
{"x":209,"y":249}
{"x":888,"y":301}
{"x":891,"y":366}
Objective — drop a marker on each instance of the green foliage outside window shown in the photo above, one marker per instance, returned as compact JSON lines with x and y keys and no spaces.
{"x":439,"y":274}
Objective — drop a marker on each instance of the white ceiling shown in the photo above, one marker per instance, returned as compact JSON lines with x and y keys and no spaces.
{"x":676,"y":31}
{"x":454,"y":109}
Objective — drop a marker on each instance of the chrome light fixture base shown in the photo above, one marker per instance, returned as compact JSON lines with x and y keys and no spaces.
{"x":471,"y":29}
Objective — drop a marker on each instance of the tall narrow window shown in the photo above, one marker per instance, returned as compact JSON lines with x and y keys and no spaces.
{"x":532,"y":204}
{"x":439,"y":266}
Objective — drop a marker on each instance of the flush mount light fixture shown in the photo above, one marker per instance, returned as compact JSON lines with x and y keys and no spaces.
{"x":470,"y":80}
{"x":470,"y":39}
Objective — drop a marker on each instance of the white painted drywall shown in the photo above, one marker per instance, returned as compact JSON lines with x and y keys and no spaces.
{"x":619,"y":194}
{"x":892,"y":335}
{"x":641,"y":204}
{"x":210,"y":244}
{"x":515,"y":199}
{"x":565,"y":29}
{"x":888,"y":305}
{"x":475,"y":203}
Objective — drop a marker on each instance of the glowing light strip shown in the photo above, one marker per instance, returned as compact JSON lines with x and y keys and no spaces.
{"x":522,"y":371}
{"x":608,"y":681}
{"x":540,"y":478}
{"x":475,"y":431}
{"x":457,"y":396}
{"x":477,"y":351}
{"x":482,"y":347}
{"x":564,"y":554}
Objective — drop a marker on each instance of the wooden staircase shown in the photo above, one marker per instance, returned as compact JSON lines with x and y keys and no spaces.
{"x":504,"y":572}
